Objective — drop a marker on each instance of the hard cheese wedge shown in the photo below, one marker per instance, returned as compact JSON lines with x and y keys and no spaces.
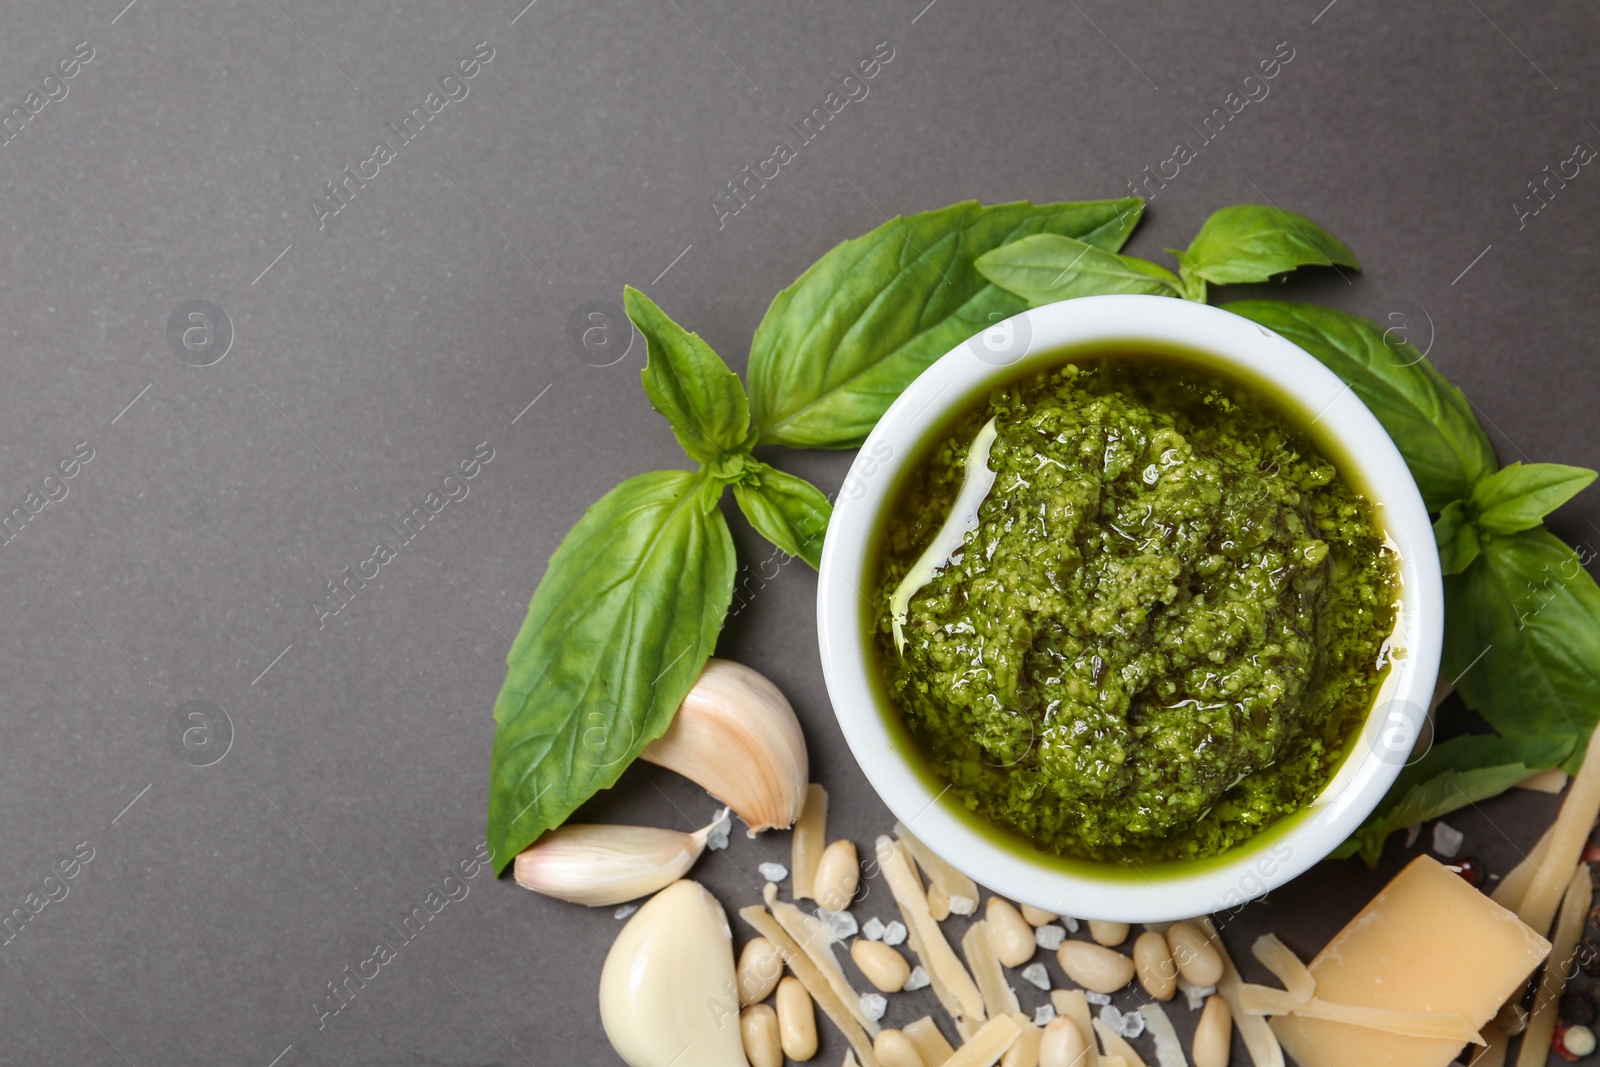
{"x":1428,"y":943}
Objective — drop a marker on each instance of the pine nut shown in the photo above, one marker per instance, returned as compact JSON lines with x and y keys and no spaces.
{"x":1197,"y":958}
{"x":1213,"y":1034}
{"x":881,"y":964}
{"x":1095,"y":967}
{"x":1009,"y":933}
{"x":1063,"y":1044}
{"x":797,"y":1020}
{"x":838,"y":874}
{"x":760,"y":967}
{"x":758,"y":1026}
{"x":1108,"y":934}
{"x":1037,"y":917}
{"x":1153,"y":960}
{"x":895,"y":1049}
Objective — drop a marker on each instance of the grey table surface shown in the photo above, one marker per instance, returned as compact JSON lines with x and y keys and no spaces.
{"x":340,"y":769}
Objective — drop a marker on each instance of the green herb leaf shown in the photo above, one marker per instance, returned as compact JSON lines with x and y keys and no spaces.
{"x":616,"y":634}
{"x":1429,"y":419}
{"x":689,"y":384}
{"x":786,"y":510}
{"x":1522,"y":638}
{"x":1048,"y":267}
{"x":837,"y":346}
{"x":1452,"y":775}
{"x":1252,"y":242}
{"x":1518,"y":497}
{"x":1457,"y":537}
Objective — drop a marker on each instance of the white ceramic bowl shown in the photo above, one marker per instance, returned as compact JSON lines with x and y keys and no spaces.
{"x":1234,"y":347}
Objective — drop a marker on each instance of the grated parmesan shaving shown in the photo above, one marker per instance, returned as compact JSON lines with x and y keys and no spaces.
{"x":988,"y":1044}
{"x":810,"y":838}
{"x":1563,"y":945}
{"x":1567,"y":837}
{"x":939,"y":872}
{"x":1116,"y":1045}
{"x":956,"y":990}
{"x":1169,"y":1049}
{"x":1074,"y":1005}
{"x":930,"y":1043}
{"x":998,"y":996}
{"x":1285,"y":966}
{"x":814,"y":939}
{"x":812,"y":978}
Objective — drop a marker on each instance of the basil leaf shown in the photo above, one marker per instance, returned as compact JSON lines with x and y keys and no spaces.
{"x":617,"y":632}
{"x":837,"y":346}
{"x":1522,"y":637}
{"x":1048,"y":267}
{"x":1452,"y":775}
{"x":1518,"y":497}
{"x":1457,"y":537}
{"x":690,"y":385}
{"x":786,"y":510}
{"x":1252,"y":242}
{"x":1429,"y":419}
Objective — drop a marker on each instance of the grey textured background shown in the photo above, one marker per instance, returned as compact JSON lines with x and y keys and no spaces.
{"x":377,"y":352}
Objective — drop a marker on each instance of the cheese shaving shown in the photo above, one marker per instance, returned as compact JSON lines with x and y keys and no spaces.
{"x":956,"y":990}
{"x":938,"y":871}
{"x":930,"y":1043}
{"x":1563,"y":946}
{"x":1285,"y":966}
{"x":1514,"y":886}
{"x":1256,"y":1000}
{"x":810,"y":838}
{"x":1024,"y":1051}
{"x":1552,"y":781}
{"x":1113,"y":1061}
{"x":988,"y":1044}
{"x":1567,"y":837}
{"x":1116,"y":1046}
{"x":1259,"y":1040}
{"x":938,"y":902}
{"x":1169,"y":1049}
{"x":1494,"y":1053}
{"x":814,"y":937}
{"x":1073,"y":1004}
{"x":998,"y":996}
{"x":814,"y":981}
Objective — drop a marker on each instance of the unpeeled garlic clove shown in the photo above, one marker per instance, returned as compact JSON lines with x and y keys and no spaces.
{"x":600,"y":865}
{"x":737,"y":737}
{"x":667,"y":988}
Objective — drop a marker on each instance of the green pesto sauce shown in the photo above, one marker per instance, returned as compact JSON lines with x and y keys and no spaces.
{"x":1164,"y":631}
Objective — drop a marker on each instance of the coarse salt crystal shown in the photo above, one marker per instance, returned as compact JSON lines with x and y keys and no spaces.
{"x":1096,"y":998}
{"x":1196,"y":995}
{"x":918,"y":979}
{"x":1043,"y":1014}
{"x":841,"y":924}
{"x":1412,"y":833}
{"x":625,"y":911}
{"x":1070,"y":923}
{"x":1035,"y":973}
{"x":872,"y":929}
{"x":873,"y":1005}
{"x":1049,"y":936}
{"x":773,"y":872}
{"x":1447,"y":839}
{"x":894,"y":933}
{"x":1132,"y":1025}
{"x":960,"y":905}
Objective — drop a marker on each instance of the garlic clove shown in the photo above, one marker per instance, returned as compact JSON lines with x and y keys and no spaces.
{"x":737,"y":737}
{"x":602,"y":865}
{"x":667,"y":992}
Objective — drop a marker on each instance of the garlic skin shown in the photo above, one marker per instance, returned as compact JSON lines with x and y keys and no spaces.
{"x":737,"y":737}
{"x":602,"y":865}
{"x":667,"y":992}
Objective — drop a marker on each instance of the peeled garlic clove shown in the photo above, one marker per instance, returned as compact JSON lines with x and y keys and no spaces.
{"x":602,"y":865}
{"x":736,"y":736}
{"x":667,"y":987}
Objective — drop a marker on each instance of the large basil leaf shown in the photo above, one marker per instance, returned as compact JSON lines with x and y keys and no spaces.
{"x":1429,"y":419}
{"x":689,"y":384}
{"x":1252,"y":242}
{"x":786,"y":510}
{"x":1522,"y":638}
{"x":617,"y":632}
{"x":1048,"y":267}
{"x":1452,"y":775}
{"x":837,"y":346}
{"x":1519,"y":496}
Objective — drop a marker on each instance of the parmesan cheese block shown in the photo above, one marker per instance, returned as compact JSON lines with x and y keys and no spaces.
{"x":1428,"y":943}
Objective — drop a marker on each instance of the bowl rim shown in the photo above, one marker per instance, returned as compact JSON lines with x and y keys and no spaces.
{"x":1238,"y":348}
